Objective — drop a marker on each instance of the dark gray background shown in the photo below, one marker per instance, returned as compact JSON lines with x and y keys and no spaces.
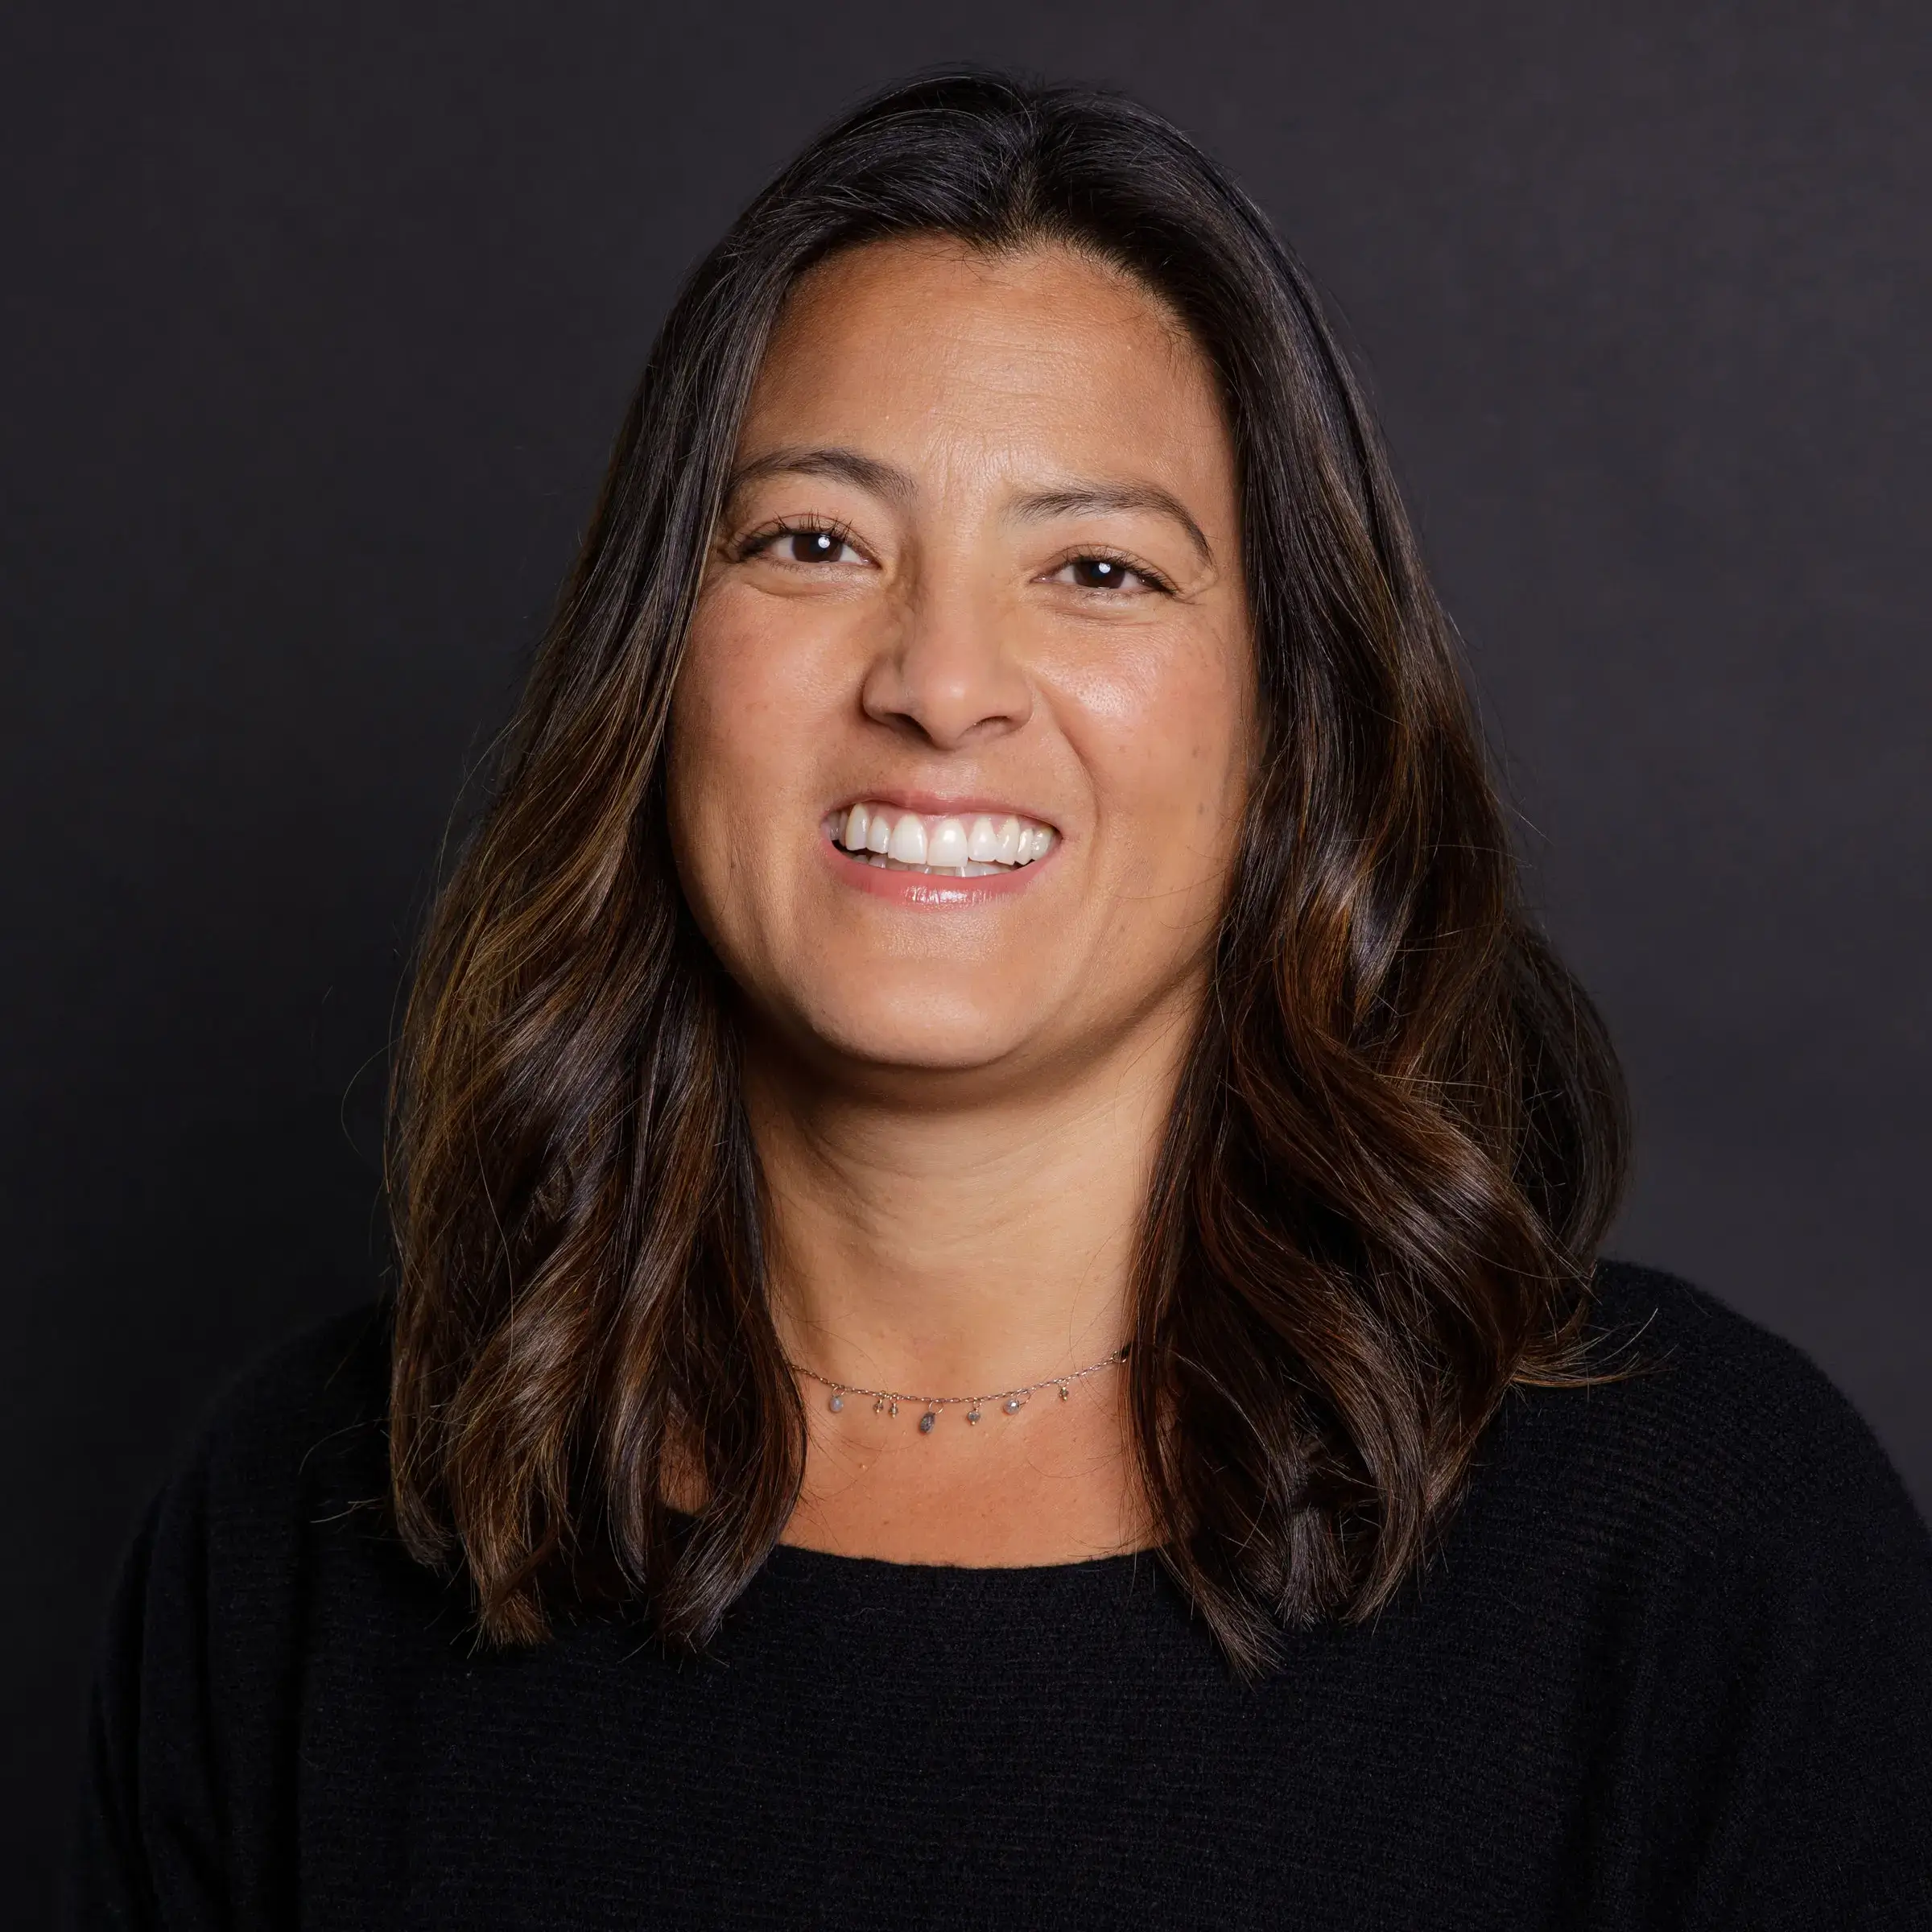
{"x":317,"y":323}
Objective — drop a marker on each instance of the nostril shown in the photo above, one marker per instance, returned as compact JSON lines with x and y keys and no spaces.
{"x":949,"y":688}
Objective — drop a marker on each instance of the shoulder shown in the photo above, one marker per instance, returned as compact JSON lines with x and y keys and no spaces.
{"x":1714,"y":1394}
{"x":281,"y":1503}
{"x":330,"y":1378}
{"x":1703,"y":1433}
{"x":1712,"y":1552}
{"x":272,"y":1530}
{"x":304,"y":1429}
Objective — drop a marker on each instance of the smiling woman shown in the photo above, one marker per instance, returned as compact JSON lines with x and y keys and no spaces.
{"x":997,"y":1307}
{"x":977,"y":580}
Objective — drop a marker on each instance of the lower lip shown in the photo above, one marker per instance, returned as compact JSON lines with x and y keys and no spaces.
{"x":928,"y":889}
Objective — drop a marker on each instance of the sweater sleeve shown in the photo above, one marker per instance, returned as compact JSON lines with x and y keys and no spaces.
{"x":147,"y":1849}
{"x":187,"y":1816}
{"x":111,"y":1884}
{"x":1798,"y":1697}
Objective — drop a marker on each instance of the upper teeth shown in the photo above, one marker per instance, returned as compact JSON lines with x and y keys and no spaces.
{"x":972,"y":847}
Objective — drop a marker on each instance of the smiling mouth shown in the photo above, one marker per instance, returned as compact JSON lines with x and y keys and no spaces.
{"x":977,"y":845}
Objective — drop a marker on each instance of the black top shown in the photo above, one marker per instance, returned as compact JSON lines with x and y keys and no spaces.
{"x":1673,"y":1668}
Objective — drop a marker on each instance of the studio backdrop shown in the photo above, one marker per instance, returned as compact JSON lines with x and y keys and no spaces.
{"x":317,"y":322}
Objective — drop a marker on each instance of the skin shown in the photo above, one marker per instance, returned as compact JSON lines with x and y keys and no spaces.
{"x":957,"y":1095}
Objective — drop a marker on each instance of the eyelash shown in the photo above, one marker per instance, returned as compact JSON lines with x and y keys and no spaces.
{"x":1151,"y":577}
{"x":755,"y":542}
{"x":766,"y":534}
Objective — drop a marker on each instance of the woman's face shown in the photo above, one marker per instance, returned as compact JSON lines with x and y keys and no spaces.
{"x":960,"y":749}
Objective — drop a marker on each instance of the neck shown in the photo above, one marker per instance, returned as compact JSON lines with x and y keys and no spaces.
{"x":958,"y":1247}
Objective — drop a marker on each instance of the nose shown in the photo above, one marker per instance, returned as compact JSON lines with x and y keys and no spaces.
{"x":944,"y":673}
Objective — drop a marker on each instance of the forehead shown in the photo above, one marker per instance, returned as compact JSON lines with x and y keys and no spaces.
{"x":916,"y":348}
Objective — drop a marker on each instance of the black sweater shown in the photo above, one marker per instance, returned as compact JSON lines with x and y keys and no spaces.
{"x":1672,"y":1668}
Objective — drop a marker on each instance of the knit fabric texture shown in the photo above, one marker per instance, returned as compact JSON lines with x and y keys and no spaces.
{"x":1672,"y":1667}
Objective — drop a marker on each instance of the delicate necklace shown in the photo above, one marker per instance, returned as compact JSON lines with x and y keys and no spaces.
{"x":886,"y":1401}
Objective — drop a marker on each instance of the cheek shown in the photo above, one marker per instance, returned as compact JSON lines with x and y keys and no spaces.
{"x":1167,"y":726}
{"x":753,"y":698}
{"x":724,"y":725}
{"x":722,"y":715}
{"x":760,"y":695}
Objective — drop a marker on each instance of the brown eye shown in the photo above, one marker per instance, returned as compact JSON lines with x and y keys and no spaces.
{"x":1104,"y":573}
{"x":812,"y":546}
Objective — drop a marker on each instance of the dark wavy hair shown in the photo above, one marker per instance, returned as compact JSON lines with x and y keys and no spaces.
{"x":1397,"y":1141}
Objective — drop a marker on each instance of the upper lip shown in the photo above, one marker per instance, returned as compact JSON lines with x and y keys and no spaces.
{"x":930,"y":804}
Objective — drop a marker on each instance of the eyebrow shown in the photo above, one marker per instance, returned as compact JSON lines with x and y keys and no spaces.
{"x":1082,"y":497}
{"x":1091,"y":499}
{"x":864,"y":473}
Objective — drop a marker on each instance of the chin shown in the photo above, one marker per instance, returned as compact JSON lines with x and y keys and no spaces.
{"x":935,"y":1034}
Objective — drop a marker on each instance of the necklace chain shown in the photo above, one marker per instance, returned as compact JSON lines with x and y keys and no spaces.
{"x":886,"y":1401}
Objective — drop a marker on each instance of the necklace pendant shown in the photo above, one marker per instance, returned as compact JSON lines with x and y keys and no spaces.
{"x":884,"y":1402}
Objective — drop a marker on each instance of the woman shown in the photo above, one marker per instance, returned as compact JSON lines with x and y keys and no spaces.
{"x":996,"y":1315}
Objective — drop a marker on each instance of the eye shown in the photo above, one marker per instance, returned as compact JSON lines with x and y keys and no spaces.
{"x":1105,"y":573}
{"x":815,"y":543}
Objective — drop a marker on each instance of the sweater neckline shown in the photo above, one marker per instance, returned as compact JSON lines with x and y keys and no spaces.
{"x":803,"y":1560}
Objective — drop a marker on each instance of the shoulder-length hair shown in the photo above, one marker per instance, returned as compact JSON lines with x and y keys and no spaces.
{"x":1396,"y":1142}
